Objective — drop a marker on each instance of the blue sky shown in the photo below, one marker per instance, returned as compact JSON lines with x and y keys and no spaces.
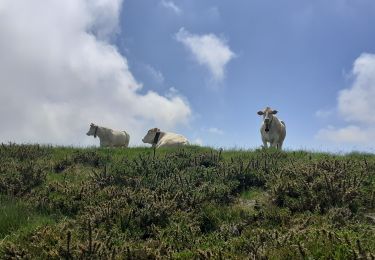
{"x":294,"y":56}
{"x":200,"y":68}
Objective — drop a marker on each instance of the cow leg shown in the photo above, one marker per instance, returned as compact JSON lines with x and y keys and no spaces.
{"x":104,"y":144}
{"x":160,"y":144}
{"x":264,"y":143}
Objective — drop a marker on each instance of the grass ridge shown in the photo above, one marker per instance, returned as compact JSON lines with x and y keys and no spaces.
{"x":193,"y":202}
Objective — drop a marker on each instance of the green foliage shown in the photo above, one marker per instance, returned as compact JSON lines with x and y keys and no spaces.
{"x":17,"y":215}
{"x":22,"y":168}
{"x":185,"y":203}
{"x":323,"y":184}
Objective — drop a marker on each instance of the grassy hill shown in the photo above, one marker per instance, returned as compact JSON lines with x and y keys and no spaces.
{"x":58,"y":202}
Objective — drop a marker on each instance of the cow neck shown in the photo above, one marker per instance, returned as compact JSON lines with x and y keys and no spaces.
{"x":156,"y":138}
{"x":96,"y":131}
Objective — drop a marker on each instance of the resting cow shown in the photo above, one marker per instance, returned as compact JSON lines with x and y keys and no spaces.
{"x":164,"y":139}
{"x":272,"y":130}
{"x":109,"y":137}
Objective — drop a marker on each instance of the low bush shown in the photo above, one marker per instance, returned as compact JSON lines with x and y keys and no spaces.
{"x":187,"y":203}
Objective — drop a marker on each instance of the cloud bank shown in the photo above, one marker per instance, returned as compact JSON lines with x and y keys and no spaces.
{"x":355,"y":106}
{"x":208,"y":50}
{"x":59,"y":72}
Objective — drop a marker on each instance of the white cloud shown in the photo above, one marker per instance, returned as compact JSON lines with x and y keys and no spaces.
{"x":355,"y":106}
{"x":171,"y":6}
{"x":349,"y":134}
{"x":59,"y":72}
{"x":208,"y":50}
{"x":214,"y":130}
{"x":104,"y":17}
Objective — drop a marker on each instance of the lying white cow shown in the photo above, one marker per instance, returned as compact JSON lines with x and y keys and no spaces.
{"x":109,"y":137}
{"x":164,"y":139}
{"x":272,"y":130}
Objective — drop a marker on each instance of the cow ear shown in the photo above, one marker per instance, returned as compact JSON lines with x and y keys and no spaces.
{"x":260,"y":113}
{"x":274,"y":112}
{"x":157,"y":130}
{"x":91,"y":124}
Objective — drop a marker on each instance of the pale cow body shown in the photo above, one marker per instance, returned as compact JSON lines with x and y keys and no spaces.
{"x":164,"y":139}
{"x":109,"y":137}
{"x":272,"y":130}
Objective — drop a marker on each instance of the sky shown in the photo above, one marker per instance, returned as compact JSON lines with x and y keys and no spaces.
{"x":199,"y":68}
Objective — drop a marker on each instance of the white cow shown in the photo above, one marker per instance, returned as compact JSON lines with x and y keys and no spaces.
{"x":109,"y":137}
{"x":272,"y":130}
{"x":164,"y":139}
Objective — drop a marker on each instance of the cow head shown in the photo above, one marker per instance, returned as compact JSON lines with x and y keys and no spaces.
{"x":267,"y":117}
{"x":150,"y":136}
{"x":93,"y":130}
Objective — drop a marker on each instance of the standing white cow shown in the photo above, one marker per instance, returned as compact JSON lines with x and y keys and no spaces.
{"x":272,"y":130}
{"x":159,"y":139}
{"x":109,"y":137}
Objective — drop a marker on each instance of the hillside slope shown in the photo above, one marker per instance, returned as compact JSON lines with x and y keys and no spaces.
{"x":59,"y":202}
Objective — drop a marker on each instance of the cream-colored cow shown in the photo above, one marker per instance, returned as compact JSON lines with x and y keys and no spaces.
{"x":109,"y":137}
{"x":273,"y":130}
{"x":164,"y":139}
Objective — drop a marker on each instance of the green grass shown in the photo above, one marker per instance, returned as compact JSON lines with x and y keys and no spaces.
{"x":17,"y":217}
{"x":194,"y":202}
{"x":252,"y":194}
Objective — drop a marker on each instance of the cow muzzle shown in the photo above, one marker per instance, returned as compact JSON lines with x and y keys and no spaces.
{"x":267,"y":125}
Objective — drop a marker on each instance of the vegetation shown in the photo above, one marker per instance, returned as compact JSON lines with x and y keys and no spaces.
{"x":185,"y":203}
